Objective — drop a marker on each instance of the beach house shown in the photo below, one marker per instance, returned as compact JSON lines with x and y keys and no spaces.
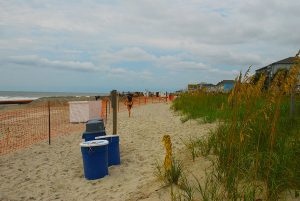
{"x":209,"y":87}
{"x":201,"y":86}
{"x":193,"y":87}
{"x":271,"y":69}
{"x":225,"y":85}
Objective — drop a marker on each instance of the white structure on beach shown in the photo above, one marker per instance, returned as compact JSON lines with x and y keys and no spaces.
{"x":82,"y":111}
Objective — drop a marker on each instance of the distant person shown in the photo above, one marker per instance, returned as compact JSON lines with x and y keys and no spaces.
{"x":129,"y":103}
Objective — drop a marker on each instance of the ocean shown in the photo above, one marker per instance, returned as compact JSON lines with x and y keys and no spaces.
{"x":29,"y":95}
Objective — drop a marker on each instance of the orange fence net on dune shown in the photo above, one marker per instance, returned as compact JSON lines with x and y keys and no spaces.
{"x":143,"y":100}
{"x":32,"y":123}
{"x":28,"y":124}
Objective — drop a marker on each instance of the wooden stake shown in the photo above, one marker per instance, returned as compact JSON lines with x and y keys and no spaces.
{"x":49,"y":123}
{"x":106,"y":105}
{"x":114,"y":104}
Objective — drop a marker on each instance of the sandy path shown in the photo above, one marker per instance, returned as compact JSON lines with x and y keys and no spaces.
{"x":55,"y":172}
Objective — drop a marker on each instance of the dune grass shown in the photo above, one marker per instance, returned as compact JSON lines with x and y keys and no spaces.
{"x":257,"y":142}
{"x":206,"y":106}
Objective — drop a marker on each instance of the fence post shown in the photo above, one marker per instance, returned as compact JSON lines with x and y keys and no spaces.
{"x":117,"y":99}
{"x":114,"y":104}
{"x":109,"y":106}
{"x":49,"y":123}
{"x":106,"y":104}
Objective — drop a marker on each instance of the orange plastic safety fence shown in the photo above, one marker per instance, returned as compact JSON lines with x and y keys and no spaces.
{"x":60,"y":120}
{"x":28,"y":124}
{"x":21,"y":127}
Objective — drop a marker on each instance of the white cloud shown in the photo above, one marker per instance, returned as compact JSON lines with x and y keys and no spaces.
{"x":117,"y":71}
{"x":123,"y":74}
{"x":126,"y":54}
{"x":204,"y":36}
{"x":172,"y":63}
{"x":40,"y":62}
{"x":176,"y":63}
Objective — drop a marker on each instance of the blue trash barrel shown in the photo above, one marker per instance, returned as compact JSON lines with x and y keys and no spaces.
{"x":88,"y":136}
{"x":113,"y":149}
{"x":96,"y":119}
{"x":94,"y":126}
{"x":95,"y":159}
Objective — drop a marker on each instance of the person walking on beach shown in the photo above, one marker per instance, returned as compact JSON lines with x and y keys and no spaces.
{"x":129,"y":103}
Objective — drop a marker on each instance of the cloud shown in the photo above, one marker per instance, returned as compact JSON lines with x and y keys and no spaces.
{"x":40,"y":62}
{"x":150,"y":38}
{"x":180,"y":62}
{"x":118,"y":71}
{"x":126,"y":54}
{"x":123,"y":74}
{"x":177,"y":63}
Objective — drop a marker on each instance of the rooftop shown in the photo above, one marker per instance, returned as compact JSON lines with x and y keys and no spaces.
{"x":226,"y":82}
{"x":289,"y":60}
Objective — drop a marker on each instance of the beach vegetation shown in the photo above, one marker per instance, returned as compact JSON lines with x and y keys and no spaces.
{"x":257,"y":140}
{"x":186,"y":188}
{"x":171,"y":170}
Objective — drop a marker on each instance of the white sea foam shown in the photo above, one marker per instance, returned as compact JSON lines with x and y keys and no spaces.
{"x":19,"y":95}
{"x":5,"y":98}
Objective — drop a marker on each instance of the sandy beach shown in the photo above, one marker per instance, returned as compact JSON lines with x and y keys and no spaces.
{"x":43,"y":172}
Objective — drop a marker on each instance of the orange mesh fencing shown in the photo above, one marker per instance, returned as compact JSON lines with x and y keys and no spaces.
{"x":28,"y":124}
{"x":137,"y":101}
{"x":60,"y":120}
{"x":22,"y":127}
{"x":142,"y":100}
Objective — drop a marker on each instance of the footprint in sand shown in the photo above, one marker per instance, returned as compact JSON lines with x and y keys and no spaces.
{"x":141,"y":158}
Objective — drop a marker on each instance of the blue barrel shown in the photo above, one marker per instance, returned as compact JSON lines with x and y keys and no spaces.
{"x":113,"y":149}
{"x":95,"y":159}
{"x":88,"y":136}
{"x":94,"y":126}
{"x":95,"y":119}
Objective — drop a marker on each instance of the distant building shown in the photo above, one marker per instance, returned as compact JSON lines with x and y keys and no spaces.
{"x":201,"y":86}
{"x":209,"y":87}
{"x":225,"y":85}
{"x":179,"y":91}
{"x":193,"y":87}
{"x":271,"y":69}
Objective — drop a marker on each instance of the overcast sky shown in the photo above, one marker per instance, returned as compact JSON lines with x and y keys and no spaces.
{"x":97,"y":46}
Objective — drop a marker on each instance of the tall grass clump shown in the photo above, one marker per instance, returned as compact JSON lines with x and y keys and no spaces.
{"x":171,"y":170}
{"x":201,"y":105}
{"x":258,"y":142}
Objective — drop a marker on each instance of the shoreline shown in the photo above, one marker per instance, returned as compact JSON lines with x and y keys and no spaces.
{"x":62,"y":99}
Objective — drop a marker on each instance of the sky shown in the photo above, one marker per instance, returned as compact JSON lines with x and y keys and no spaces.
{"x":137,"y":45}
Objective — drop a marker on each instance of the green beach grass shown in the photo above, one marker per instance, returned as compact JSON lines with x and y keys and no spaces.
{"x":257,"y":142}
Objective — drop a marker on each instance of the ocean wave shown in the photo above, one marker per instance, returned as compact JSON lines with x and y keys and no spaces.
{"x":8,"y":98}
